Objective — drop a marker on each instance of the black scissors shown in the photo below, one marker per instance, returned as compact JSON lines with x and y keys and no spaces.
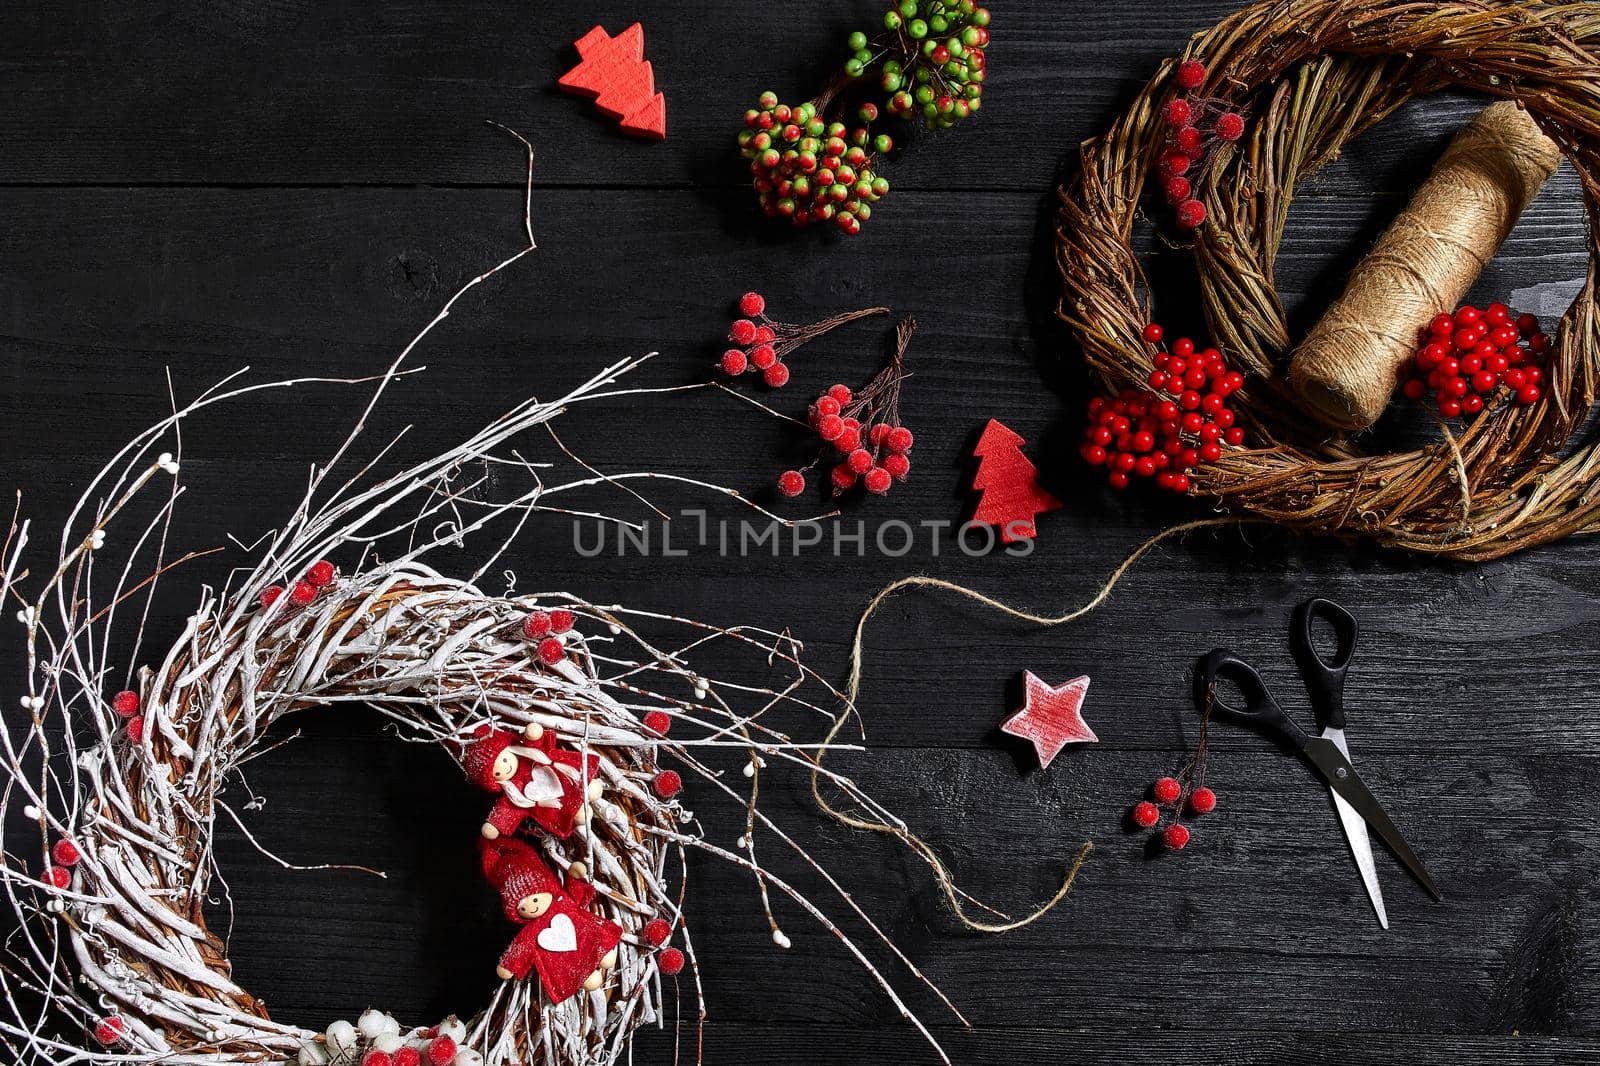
{"x":1327,"y":754}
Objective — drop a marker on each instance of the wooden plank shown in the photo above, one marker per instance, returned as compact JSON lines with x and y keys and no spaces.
{"x":1261,"y":928}
{"x":1261,"y":921}
{"x":101,"y":290}
{"x":1188,"y":1045}
{"x":307,"y":93}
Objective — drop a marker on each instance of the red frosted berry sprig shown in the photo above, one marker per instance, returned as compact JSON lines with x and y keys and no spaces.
{"x":1183,"y":793}
{"x":546,"y":633}
{"x":64,"y":855}
{"x":860,"y":431}
{"x":764,"y":343}
{"x":656,"y":933}
{"x":928,"y":62}
{"x":1464,"y":359}
{"x":1196,"y":126}
{"x":304,"y":591}
{"x":1180,"y":422}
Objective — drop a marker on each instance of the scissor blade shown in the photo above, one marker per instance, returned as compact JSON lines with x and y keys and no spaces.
{"x":1355,"y":831}
{"x":1342,"y":778}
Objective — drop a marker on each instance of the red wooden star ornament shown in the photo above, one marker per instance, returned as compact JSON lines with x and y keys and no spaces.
{"x":1051,"y":718}
{"x":1009,"y":484}
{"x":615,"y":73}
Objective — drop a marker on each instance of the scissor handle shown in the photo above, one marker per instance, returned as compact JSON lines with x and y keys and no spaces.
{"x":1260,"y":710}
{"x":1324,"y":675}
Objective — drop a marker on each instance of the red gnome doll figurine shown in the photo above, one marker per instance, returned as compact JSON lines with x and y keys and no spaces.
{"x":544,"y":782}
{"x":568,"y":944}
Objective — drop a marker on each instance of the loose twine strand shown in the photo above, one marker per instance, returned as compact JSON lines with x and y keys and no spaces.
{"x":947,"y":883}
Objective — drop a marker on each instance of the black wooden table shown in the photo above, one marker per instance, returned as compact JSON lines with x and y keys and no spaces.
{"x":296,"y":185}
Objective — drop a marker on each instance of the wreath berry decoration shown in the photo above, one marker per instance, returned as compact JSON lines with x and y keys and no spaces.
{"x":1305,"y":77}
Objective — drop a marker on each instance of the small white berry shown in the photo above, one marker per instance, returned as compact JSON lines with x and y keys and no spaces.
{"x":615,"y":629}
{"x":313,"y":1054}
{"x":454,"y":1028}
{"x":388,"y":1043}
{"x":779,"y":938}
{"x":370,"y":1023}
{"x":468,"y":1057}
{"x":25,"y":616}
{"x":97,"y":540}
{"x":341,"y":1037}
{"x":31,"y":813}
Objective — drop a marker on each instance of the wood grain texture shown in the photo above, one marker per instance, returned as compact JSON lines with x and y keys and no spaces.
{"x":275,"y":148}
{"x":297,"y":92}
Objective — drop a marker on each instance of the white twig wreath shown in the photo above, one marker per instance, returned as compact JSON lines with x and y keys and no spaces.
{"x":560,"y":703}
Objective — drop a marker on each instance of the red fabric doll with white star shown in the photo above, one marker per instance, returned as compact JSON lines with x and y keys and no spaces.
{"x":570,"y":946}
{"x":539,"y":780}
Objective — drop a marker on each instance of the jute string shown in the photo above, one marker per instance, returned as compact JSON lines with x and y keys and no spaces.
{"x":946,"y":880}
{"x":1347,"y":368}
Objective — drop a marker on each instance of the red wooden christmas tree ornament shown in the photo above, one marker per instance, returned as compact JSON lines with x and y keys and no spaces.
{"x":1009,"y":484}
{"x":616,"y":75}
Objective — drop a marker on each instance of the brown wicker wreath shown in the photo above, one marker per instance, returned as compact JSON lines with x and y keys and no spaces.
{"x":1315,"y":74}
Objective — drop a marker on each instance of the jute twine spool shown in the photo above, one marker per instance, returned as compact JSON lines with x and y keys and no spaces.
{"x":1346,"y":370}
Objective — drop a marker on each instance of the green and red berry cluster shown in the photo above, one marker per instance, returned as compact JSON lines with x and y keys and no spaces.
{"x":763,"y":343}
{"x":809,"y":166}
{"x":1170,"y":794}
{"x":936,"y":63}
{"x":807,"y":170}
{"x":1180,"y":422}
{"x":1465,"y":358}
{"x":1196,"y":126}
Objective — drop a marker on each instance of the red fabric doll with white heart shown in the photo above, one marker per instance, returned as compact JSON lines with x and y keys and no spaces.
{"x":539,"y":781}
{"x":570,"y":946}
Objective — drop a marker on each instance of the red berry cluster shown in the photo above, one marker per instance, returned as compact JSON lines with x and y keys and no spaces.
{"x":318,"y":577}
{"x":657,"y":931}
{"x":126,"y":704}
{"x":1464,"y":358}
{"x":546,"y":631}
{"x":1183,"y":420}
{"x":764,"y":343}
{"x":65,"y":855}
{"x":1168,"y":792}
{"x":873,"y":453}
{"x":1196,"y":125}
